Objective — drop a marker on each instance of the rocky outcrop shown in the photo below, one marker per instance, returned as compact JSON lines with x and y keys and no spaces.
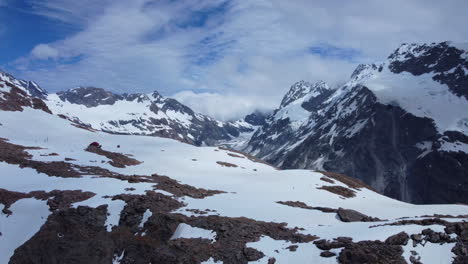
{"x":116,"y":159}
{"x":371,"y":252}
{"x":398,"y":239}
{"x":349,"y":215}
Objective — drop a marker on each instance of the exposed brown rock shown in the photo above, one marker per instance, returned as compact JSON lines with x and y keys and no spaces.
{"x":415,"y":258}
{"x":167,"y":184}
{"x":250,"y":157}
{"x":445,"y":216}
{"x":338,"y":242}
{"x":305,"y":206}
{"x":327,"y":254}
{"x":117,"y":159}
{"x":349,"y":181}
{"x":74,"y":235}
{"x":236,"y":156}
{"x":227,"y":164}
{"x":16,"y":99}
{"x":326,"y":179}
{"x":56,"y":199}
{"x":196,"y":211}
{"x":423,"y":222}
{"x":349,"y":215}
{"x":251,"y":254}
{"x":292,"y":248}
{"x":371,"y":252}
{"x":78,"y":235}
{"x":340,"y":190}
{"x":7,"y":198}
{"x":64,"y":199}
{"x":16,"y":154}
{"x":50,"y":154}
{"x":461,"y":247}
{"x":398,"y":239}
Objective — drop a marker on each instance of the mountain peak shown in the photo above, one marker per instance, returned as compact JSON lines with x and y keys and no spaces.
{"x":446,"y":61}
{"x":301,"y":89}
{"x":156,"y":96}
{"x":28,"y":86}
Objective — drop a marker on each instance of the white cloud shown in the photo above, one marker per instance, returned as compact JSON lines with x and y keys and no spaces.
{"x":251,"y":51}
{"x":223,"y":107}
{"x":44,"y":51}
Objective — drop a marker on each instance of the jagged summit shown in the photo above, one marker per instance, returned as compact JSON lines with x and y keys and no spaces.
{"x":387,"y":125}
{"x":32,"y":88}
{"x":301,"y":89}
{"x":142,"y":114}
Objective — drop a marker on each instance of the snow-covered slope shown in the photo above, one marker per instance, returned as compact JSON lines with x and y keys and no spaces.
{"x":163,"y":201}
{"x":401,"y":126}
{"x":142,"y":114}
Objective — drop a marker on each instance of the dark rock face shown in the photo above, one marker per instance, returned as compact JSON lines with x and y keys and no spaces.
{"x":256,"y":118}
{"x":350,"y":131}
{"x":34,"y":89}
{"x":117,"y":159}
{"x":440,"y":177}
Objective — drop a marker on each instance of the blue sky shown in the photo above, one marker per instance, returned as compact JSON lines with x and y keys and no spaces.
{"x":212,"y":53}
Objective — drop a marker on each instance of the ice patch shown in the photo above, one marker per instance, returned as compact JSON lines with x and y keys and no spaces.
{"x":187,"y":231}
{"x":146,"y":216}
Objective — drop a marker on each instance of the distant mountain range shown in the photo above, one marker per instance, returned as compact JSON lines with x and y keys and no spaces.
{"x":139,"y":114}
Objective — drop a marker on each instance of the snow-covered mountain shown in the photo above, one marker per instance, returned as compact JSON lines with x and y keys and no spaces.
{"x":137,"y":114}
{"x":141,"y":199}
{"x":401,"y":125}
{"x":142,"y":114}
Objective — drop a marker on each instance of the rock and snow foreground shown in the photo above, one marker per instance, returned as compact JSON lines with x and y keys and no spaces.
{"x":154,"y":200}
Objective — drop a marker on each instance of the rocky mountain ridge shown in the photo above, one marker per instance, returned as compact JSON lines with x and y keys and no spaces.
{"x":136,"y":114}
{"x":400,"y":126}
